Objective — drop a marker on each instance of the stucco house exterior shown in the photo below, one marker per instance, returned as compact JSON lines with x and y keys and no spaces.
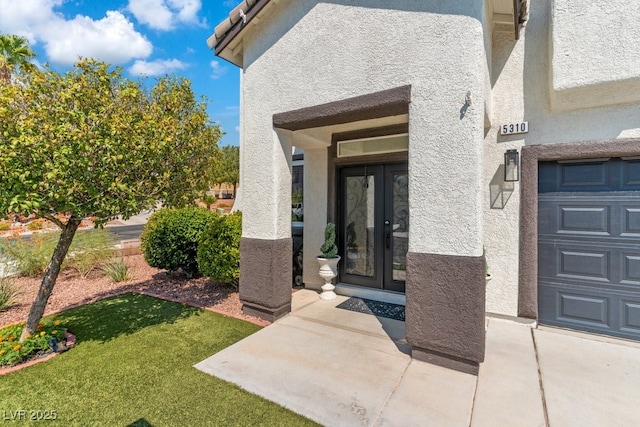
{"x":405,"y":110}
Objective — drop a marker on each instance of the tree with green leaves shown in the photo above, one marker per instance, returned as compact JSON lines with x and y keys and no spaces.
{"x":92,"y":143}
{"x":226,"y":168}
{"x":15,"y":56}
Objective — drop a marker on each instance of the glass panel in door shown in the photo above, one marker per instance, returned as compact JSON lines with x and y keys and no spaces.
{"x":360,"y":223}
{"x":360,"y":235}
{"x":397,"y":224}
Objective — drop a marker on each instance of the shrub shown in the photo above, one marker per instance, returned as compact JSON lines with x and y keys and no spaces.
{"x":170,"y":238}
{"x":117,"y":270}
{"x":88,"y":250}
{"x":4,"y":225}
{"x":329,"y":248}
{"x":8,"y":293}
{"x":36,"y":224}
{"x":219,"y":250}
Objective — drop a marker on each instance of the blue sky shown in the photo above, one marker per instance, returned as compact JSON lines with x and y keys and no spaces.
{"x":145,"y":37}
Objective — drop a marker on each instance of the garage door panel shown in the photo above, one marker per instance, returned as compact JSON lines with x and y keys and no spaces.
{"x":577,"y":262}
{"x":557,"y":216}
{"x":591,"y":175}
{"x":631,"y":269}
{"x":630,"y":221}
{"x":631,"y":174}
{"x":604,"y":214}
{"x":630,"y":316}
{"x":592,"y":265}
{"x":584,"y":220}
{"x":578,"y":308}
{"x":574,"y":175}
{"x":610,"y":313}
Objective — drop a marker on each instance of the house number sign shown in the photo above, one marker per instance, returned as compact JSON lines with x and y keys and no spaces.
{"x":512,"y":128}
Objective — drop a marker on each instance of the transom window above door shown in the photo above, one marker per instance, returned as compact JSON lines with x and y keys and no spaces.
{"x":376,"y":145}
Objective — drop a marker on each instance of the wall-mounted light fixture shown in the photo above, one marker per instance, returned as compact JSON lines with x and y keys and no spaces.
{"x":467,"y":99}
{"x":511,"y":166}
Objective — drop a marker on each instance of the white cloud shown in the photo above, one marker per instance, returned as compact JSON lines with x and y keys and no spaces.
{"x":217,"y":70}
{"x":231,"y":3}
{"x":26,"y":18}
{"x":165,"y":14}
{"x":157,"y":67}
{"x":153,"y":13}
{"x":112,"y":39}
{"x":187,"y":9}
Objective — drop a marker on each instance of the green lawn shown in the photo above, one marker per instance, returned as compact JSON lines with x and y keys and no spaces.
{"x":133,"y":364}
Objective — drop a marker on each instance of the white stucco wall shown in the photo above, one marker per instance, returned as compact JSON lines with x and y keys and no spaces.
{"x":573,"y":75}
{"x":522,"y":82}
{"x":595,"y":55}
{"x":311,"y":52}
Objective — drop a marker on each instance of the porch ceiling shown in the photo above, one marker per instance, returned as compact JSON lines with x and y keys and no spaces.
{"x":319,"y":137}
{"x":314,"y":125}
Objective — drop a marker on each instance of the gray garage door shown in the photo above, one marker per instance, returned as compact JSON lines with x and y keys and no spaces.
{"x":589,"y":246}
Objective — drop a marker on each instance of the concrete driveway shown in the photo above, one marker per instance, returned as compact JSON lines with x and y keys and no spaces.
{"x":342,"y":368}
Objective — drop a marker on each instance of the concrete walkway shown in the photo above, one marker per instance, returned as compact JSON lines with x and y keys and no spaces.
{"x":342,"y":368}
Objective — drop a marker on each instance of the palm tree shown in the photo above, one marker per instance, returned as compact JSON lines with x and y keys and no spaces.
{"x":15,"y":56}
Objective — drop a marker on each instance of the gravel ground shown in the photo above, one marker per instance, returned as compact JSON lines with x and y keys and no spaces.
{"x":71,"y":290}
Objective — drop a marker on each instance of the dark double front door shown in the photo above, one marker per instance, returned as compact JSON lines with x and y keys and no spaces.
{"x":373,"y":225}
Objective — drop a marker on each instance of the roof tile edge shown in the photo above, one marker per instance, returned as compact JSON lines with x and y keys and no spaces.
{"x":238,"y":14}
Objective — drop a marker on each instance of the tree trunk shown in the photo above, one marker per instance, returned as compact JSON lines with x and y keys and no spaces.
{"x":234,"y":191}
{"x":5,"y":73}
{"x":50,"y":276}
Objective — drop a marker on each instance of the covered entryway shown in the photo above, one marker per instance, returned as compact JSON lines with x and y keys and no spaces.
{"x":589,"y":245}
{"x":374,"y":225}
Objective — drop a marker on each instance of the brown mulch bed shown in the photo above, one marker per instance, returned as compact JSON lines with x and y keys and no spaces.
{"x":71,"y":291}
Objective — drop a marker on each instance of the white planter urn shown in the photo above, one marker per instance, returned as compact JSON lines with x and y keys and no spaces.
{"x":328,"y":270}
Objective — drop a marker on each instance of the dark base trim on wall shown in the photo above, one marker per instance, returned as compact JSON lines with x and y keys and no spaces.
{"x":265,"y":313}
{"x":445,"y":360}
{"x":531,"y":155}
{"x":445,"y":311}
{"x":265,"y":277}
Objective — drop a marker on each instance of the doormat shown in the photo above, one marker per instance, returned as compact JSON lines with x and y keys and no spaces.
{"x":377,"y":308}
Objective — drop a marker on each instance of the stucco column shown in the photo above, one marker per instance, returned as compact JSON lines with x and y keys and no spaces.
{"x":266,"y":245}
{"x":445,"y":287}
{"x":315,"y":213}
